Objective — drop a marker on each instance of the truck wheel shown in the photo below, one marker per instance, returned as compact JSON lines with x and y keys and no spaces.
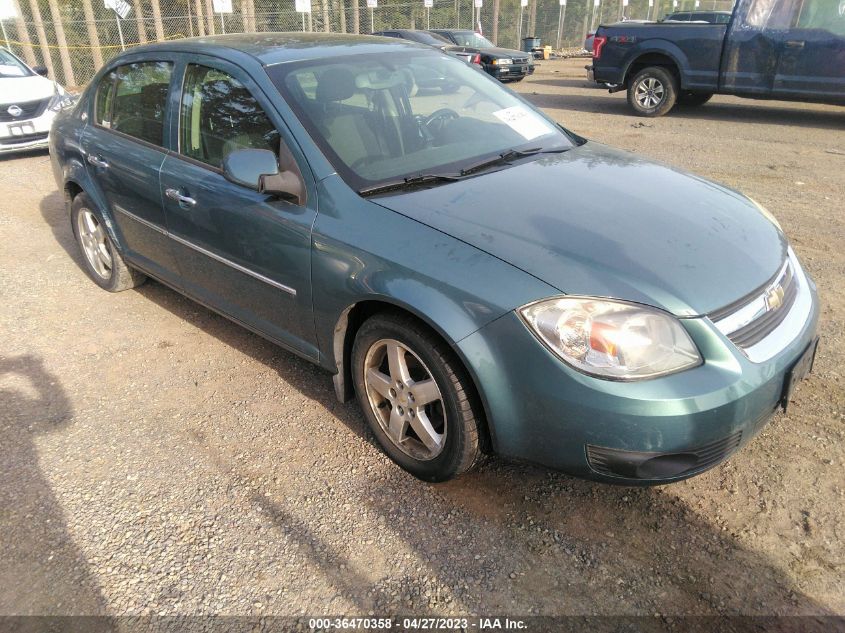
{"x":693,"y":99}
{"x":652,"y":91}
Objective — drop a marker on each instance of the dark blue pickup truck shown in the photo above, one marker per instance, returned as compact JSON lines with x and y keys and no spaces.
{"x":771,"y":49}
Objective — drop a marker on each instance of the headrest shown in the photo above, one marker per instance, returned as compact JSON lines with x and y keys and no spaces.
{"x":335,"y":84}
{"x":379,"y":80}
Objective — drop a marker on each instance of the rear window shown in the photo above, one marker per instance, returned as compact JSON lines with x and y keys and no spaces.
{"x":140,"y":100}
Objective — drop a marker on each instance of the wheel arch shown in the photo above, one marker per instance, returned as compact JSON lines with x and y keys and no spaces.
{"x":656,"y":57}
{"x":347,"y":326}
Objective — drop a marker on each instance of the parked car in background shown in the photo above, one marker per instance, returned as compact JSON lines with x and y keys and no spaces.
{"x":432,"y":39}
{"x":504,"y":64}
{"x":28,"y":104}
{"x":709,"y":17}
{"x":588,"y":41}
{"x":444,"y":258}
{"x":770,"y":49}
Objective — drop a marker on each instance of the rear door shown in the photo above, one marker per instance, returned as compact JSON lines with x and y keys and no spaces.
{"x":812,"y":52}
{"x":124,"y":150}
{"x":244,"y":253}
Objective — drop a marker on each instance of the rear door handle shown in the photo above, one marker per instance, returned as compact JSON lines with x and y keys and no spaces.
{"x":794,"y":44}
{"x":174,"y":194}
{"x":97,"y":162}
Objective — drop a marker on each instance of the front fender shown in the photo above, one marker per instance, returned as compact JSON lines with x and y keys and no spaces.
{"x":363,"y":252}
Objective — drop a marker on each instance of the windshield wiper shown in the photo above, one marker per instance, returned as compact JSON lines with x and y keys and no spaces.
{"x":409,"y":183}
{"x":508,"y":156}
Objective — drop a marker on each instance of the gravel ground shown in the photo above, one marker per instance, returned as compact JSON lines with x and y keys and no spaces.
{"x":156,"y":458}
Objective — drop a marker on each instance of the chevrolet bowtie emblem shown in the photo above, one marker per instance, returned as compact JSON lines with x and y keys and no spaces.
{"x":774,"y":297}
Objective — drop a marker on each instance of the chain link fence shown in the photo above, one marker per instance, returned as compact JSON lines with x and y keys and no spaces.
{"x":73,"y":38}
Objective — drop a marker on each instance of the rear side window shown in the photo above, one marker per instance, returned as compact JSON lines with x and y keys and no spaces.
{"x":825,"y":15}
{"x":104,"y":100}
{"x":219,"y":115}
{"x":140,"y":100}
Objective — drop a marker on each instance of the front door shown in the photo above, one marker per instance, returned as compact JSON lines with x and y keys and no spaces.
{"x":124,"y":150}
{"x":812,"y":52}
{"x":241,"y":252}
{"x":750,"y":51}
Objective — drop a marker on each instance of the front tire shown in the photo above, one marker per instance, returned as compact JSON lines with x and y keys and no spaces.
{"x":417,"y":398}
{"x":101,"y":260}
{"x":652,"y":92}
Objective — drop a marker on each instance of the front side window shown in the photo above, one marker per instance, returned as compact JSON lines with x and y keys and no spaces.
{"x":140,"y":100}
{"x":104,"y":99}
{"x":219,"y":115}
{"x":380,"y":118}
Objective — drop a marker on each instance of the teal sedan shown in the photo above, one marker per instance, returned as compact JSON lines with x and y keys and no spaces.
{"x":481,"y":279}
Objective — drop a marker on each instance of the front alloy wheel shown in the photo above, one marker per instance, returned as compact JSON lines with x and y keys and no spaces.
{"x":405,"y":399}
{"x":417,"y":397}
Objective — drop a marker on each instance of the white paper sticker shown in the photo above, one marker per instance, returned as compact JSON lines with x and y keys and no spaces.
{"x":372,"y":4}
{"x":302,"y":6}
{"x":524,"y":122}
{"x":428,"y":3}
{"x":477,"y":3}
{"x":523,"y":3}
{"x":563,"y":3}
{"x":222,"y":6}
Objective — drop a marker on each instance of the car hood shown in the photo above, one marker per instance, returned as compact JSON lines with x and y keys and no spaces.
{"x":15,"y":90}
{"x":602,"y":222}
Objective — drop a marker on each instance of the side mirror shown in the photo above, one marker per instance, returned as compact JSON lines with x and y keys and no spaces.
{"x":258,"y":169}
{"x":40,"y":70}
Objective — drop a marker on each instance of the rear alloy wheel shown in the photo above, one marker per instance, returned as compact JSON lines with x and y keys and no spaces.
{"x":652,"y":92}
{"x":102,"y":261}
{"x":692,"y":99}
{"x":416,"y":397}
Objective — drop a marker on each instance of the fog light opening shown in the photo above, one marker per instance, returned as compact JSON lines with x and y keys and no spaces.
{"x":665,"y":466}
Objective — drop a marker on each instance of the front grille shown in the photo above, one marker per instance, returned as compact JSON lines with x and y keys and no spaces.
{"x":520,"y":60}
{"x":23,"y":138}
{"x":654,"y":466}
{"x":750,"y":320}
{"x":29,"y":110}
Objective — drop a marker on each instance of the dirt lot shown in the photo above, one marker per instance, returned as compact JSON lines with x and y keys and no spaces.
{"x":155,"y":458}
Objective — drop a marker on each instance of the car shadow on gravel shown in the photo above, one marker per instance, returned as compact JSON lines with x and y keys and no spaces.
{"x":41,"y":569}
{"x":754,"y":112}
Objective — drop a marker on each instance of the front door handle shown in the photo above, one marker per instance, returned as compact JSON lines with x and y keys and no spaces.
{"x":794,"y":44}
{"x":174,"y":194}
{"x":97,"y":162}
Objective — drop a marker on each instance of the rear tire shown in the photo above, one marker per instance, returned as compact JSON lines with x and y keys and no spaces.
{"x":652,"y":92}
{"x":101,"y":260}
{"x":417,"y":398}
{"x":693,"y":99}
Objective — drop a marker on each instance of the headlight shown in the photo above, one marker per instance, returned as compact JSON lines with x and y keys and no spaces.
{"x":767,"y":214}
{"x":502,"y":62}
{"x":61,"y":101}
{"x":612,"y":339}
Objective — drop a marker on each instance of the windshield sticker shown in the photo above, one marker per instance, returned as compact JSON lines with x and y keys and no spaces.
{"x":524,"y":122}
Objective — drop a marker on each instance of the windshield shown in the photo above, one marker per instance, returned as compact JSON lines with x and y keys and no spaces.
{"x":380,"y":118}
{"x":471,"y":39}
{"x":427,"y":38}
{"x":11,"y":66}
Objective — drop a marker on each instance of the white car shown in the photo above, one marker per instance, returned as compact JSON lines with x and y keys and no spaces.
{"x":28,"y":105}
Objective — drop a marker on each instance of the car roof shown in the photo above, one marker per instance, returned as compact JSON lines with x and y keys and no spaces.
{"x":277,"y":48}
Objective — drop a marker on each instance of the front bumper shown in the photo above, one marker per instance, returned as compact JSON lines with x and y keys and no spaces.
{"x":26,"y":134}
{"x":541,"y":410}
{"x":509,"y":72}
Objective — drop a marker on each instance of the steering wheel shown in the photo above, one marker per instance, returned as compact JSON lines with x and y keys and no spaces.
{"x":437,"y":119}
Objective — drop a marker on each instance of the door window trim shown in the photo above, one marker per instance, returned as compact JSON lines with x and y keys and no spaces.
{"x":92,"y":116}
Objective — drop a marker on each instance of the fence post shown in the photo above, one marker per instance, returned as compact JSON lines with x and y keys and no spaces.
{"x":23,"y":35}
{"x":157,"y":20}
{"x":356,"y":17}
{"x":42,"y":38}
{"x":200,"y":18}
{"x":495,"y":33}
{"x":209,"y":17}
{"x":327,"y":22}
{"x":93,"y":36}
